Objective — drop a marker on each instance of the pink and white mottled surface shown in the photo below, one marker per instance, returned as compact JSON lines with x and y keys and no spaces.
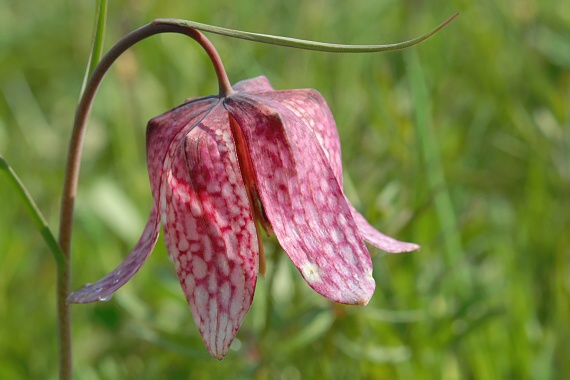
{"x":218,"y":168}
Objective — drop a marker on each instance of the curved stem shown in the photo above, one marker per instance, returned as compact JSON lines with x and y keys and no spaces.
{"x":74,"y":161}
{"x":84,"y":108}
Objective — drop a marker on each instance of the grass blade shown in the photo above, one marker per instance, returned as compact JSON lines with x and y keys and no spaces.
{"x":434,"y":171}
{"x":33,"y":211}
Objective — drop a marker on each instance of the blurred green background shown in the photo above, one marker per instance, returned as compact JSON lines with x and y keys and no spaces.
{"x":461,"y":145}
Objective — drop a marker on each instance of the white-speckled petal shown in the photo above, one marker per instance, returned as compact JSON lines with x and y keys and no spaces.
{"x":312,"y":109}
{"x":378,"y":239}
{"x":105,"y":287}
{"x":253,"y":85}
{"x":210,"y":232}
{"x":303,"y":200}
{"x":161,"y":131}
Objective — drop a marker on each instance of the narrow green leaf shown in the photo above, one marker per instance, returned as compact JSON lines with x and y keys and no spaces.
{"x":97,"y":43}
{"x":33,"y":211}
{"x":435,"y":174}
{"x":313,"y":329}
{"x":372,"y":352}
{"x":303,"y":44}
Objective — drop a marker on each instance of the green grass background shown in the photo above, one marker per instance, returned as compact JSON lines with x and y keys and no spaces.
{"x":461,"y":145}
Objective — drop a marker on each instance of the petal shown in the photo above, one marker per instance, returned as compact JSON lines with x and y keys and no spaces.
{"x":253,"y":85}
{"x":210,"y":231}
{"x":161,"y":131}
{"x":303,"y":200}
{"x":312,"y":109}
{"x":378,"y":239}
{"x":105,"y":287}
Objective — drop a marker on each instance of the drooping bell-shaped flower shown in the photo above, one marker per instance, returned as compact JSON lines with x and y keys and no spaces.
{"x":219,"y":168}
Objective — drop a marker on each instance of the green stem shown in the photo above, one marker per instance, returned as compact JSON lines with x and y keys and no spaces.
{"x":33,"y":211}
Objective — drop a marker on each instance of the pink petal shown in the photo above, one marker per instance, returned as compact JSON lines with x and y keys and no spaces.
{"x":210,"y":231}
{"x":253,"y":85}
{"x":161,"y":131}
{"x":312,"y":109}
{"x":378,"y":239}
{"x":303,"y":200}
{"x":105,"y":287}
{"x":310,"y":106}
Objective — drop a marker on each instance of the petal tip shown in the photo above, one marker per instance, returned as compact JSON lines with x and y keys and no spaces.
{"x":218,"y":355}
{"x":89,"y":293}
{"x":219,"y":345}
{"x":407,"y":247}
{"x":391,"y":245}
{"x":363,"y":301}
{"x":360,"y":293}
{"x":369,"y":288}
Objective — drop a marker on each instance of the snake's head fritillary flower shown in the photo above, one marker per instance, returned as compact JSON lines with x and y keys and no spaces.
{"x":221,"y":168}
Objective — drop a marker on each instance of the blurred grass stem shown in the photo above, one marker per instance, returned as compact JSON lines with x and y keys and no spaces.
{"x":97,"y":43}
{"x":430,"y":151}
{"x":33,"y":211}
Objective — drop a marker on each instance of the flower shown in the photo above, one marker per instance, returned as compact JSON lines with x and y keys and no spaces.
{"x":217,"y":168}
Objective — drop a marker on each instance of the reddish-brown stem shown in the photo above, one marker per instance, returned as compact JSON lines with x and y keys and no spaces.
{"x":74,"y":158}
{"x":84,"y":107}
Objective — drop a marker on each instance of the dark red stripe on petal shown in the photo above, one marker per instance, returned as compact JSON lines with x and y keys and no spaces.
{"x":246,"y":168}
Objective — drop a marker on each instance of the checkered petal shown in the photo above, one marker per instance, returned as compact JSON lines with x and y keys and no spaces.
{"x":303,"y":200}
{"x":161,"y":132}
{"x":210,"y":231}
{"x":311,"y":108}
